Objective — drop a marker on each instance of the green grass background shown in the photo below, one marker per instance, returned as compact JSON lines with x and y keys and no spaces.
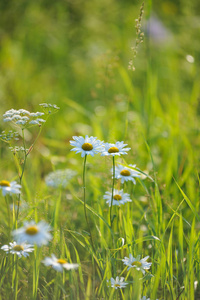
{"x":75,"y":54}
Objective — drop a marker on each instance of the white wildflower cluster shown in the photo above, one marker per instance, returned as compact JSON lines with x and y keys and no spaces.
{"x":59,"y":178}
{"x":23,"y":118}
{"x":8,"y":136}
{"x":49,"y":108}
{"x":16,"y":149}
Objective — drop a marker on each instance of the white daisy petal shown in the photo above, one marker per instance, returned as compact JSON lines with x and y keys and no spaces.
{"x":9,"y":187}
{"x":87,"y":145}
{"x":139,"y":264}
{"x":117,"y":283}
{"x":59,"y":264}
{"x":126,"y":173}
{"x":114,"y":149}
{"x":18,"y":249}
{"x":33,"y":233}
{"x":119,"y":197}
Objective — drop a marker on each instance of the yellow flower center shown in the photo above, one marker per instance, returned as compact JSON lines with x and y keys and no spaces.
{"x":113,"y":150}
{"x":136,"y":263}
{"x":32,"y":230}
{"x":18,"y":248}
{"x":117,"y":197}
{"x":4,"y":183}
{"x":87,"y":147}
{"x":117,"y":285}
{"x":61,"y":261}
{"x":125,"y":172}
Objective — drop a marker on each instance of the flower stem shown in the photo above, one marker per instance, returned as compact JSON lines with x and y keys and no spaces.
{"x":113,"y":186}
{"x":84,"y":200}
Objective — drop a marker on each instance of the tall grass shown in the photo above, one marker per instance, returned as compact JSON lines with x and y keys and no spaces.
{"x":155,"y":110}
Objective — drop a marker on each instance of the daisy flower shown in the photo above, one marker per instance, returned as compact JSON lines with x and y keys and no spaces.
{"x":117,"y":283}
{"x":139,"y":264}
{"x":10,"y":187}
{"x":19,"y":249}
{"x":88,"y":145}
{"x":59,"y":264}
{"x":33,"y":233}
{"x":126,"y":173}
{"x":118,"y":197}
{"x":114,"y":149}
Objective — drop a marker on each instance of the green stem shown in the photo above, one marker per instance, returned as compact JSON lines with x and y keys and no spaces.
{"x":84,"y":200}
{"x":16,"y":278}
{"x":113,"y":186}
{"x":36,"y":271}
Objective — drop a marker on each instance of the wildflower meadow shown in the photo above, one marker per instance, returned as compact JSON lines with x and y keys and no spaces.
{"x":99,"y":150}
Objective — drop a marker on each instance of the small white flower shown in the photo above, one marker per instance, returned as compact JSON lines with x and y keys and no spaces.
{"x":118,"y":197}
{"x":33,"y":233}
{"x":87,"y":145}
{"x":19,"y":249}
{"x":114,"y":149}
{"x":59,"y":264}
{"x":139,"y":264}
{"x":7,"y":119}
{"x":126,"y":173}
{"x":59,"y":178}
{"x":37,"y":121}
{"x":117,"y":283}
{"x":10,"y":187}
{"x":20,"y":122}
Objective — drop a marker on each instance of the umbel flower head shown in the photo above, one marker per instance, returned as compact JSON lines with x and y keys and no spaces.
{"x":139,"y":264}
{"x":59,"y":264}
{"x":117,"y":283}
{"x":19,"y":249}
{"x":24,"y":118}
{"x":119,"y":197}
{"x":33,"y":233}
{"x":10,"y":187}
{"x":88,"y":145}
{"x":114,"y":149}
{"x":126,"y":173}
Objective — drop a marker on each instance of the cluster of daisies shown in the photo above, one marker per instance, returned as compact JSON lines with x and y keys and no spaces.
{"x":31,"y":234}
{"x":91,"y":146}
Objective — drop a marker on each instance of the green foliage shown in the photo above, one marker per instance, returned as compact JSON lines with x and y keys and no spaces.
{"x":75,"y":54}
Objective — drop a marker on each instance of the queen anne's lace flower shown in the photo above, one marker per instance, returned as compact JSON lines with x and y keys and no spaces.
{"x":88,"y":145}
{"x":117,"y":283}
{"x":59,"y":264}
{"x":114,"y":149}
{"x":10,"y":187}
{"x":23,"y":117}
{"x":126,"y":173}
{"x":19,"y":249}
{"x":119,"y":197}
{"x":139,"y":264}
{"x":33,"y":233}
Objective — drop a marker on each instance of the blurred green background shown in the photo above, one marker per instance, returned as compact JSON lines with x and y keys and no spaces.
{"x":75,"y":54}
